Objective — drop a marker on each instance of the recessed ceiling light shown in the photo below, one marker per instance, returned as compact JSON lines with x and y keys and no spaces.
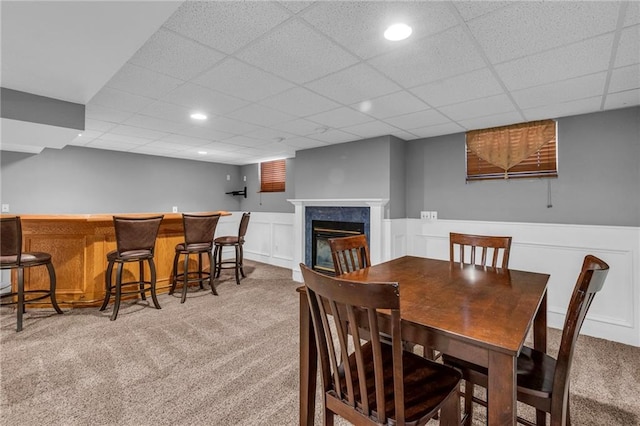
{"x":202,"y":152}
{"x":397,"y":32}
{"x":198,"y":116}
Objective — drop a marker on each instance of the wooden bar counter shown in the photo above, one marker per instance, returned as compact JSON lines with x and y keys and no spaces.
{"x":79,"y":243}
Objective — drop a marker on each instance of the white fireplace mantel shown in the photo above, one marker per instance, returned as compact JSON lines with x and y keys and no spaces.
{"x":376,"y":216}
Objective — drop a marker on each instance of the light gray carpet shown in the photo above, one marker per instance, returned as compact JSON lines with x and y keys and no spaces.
{"x":225,"y":360}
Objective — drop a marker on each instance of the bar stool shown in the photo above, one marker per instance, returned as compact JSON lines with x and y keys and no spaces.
{"x":135,"y":241}
{"x":198,"y":239}
{"x":12,"y":257}
{"x":232,"y":241}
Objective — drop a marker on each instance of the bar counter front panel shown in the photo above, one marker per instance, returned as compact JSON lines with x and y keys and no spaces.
{"x":79,"y":244}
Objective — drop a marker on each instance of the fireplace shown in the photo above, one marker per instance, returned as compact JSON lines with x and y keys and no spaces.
{"x":322,"y":230}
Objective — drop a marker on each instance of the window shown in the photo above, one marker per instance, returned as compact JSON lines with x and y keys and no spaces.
{"x":522,"y":150}
{"x":273,"y":175}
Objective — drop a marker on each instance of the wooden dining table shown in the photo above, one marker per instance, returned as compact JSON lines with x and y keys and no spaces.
{"x":479,"y":314}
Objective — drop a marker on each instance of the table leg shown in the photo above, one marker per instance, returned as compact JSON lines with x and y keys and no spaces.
{"x":501,"y":393}
{"x":540,"y":326}
{"x":308,"y":364}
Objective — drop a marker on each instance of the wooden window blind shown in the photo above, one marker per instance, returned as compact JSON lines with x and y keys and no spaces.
{"x":522,"y":150}
{"x":273,"y":175}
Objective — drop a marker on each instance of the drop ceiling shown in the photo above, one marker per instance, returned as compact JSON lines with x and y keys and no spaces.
{"x":276,"y":77}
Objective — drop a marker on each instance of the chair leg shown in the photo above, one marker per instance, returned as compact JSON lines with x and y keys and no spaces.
{"x":200,"y":270}
{"x":450,"y":411}
{"x":152,"y":267}
{"x":141,"y":269}
{"x":107,"y":281}
{"x":212,"y":272}
{"x":52,"y":287}
{"x":468,"y":402}
{"x":218,"y":256}
{"x":242,"y":261}
{"x":174,"y":274}
{"x":238,"y":266}
{"x":20,"y":306}
{"x":116,"y":304}
{"x":185,"y":278}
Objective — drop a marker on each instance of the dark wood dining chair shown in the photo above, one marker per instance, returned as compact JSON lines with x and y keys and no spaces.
{"x":12,"y":257}
{"x":199,"y":232}
{"x":365,"y":380}
{"x":135,"y":242}
{"x":349,"y":253}
{"x":237,"y":242}
{"x":543,"y":381}
{"x":467,"y":246}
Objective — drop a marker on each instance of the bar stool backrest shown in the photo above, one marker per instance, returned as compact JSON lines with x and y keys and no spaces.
{"x":199,"y":229}
{"x":244,"y":224}
{"x":136,"y":233}
{"x":11,"y":239}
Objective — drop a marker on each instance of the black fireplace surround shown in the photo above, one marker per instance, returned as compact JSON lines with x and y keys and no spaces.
{"x":322,"y":230}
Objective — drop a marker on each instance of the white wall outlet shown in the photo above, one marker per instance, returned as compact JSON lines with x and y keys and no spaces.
{"x":5,"y":208}
{"x":434,"y":215}
{"x":228,"y":177}
{"x":425,"y":215}
{"x":244,"y":179}
{"x":175,"y":209}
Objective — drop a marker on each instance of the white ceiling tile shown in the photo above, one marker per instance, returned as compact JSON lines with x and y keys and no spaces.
{"x":169,"y":53}
{"x":370,"y":129}
{"x":97,"y":112}
{"x":138,"y":132}
{"x":229,"y":125}
{"x":219,"y":147}
{"x":391,"y":105}
{"x":622,"y":99}
{"x":267,"y":134}
{"x":357,"y":83}
{"x":359,"y":26}
{"x":629,"y":47}
{"x":85,"y":137}
{"x":166,"y":146}
{"x":143,"y":82}
{"x":198,"y":98}
{"x":184,"y":140}
{"x":244,"y":141}
{"x":299,"y":126}
{"x":242,"y":81}
{"x":98,"y":125}
{"x":340,"y":117}
{"x":494,"y":120}
{"x":110,"y":145}
{"x":563,"y":109}
{"x":296,"y":6}
{"x":297,"y":53}
{"x":404,"y":135}
{"x":474,"y":9}
{"x":260,"y":115}
{"x":476,"y":84}
{"x":561,"y":91}
{"x":437,"y":130}
{"x":333,"y":136}
{"x":300,"y":142}
{"x":117,"y":99}
{"x":625,"y":78}
{"x":578,"y":59}
{"x":531,"y":27}
{"x":632,"y":17}
{"x":130,"y":140}
{"x":206,"y":131}
{"x":418,"y":119}
{"x":433,"y":58}
{"x":167,"y":111}
{"x":479,"y":108}
{"x":299,"y":102}
{"x":154,"y":124}
{"x":226,"y":25}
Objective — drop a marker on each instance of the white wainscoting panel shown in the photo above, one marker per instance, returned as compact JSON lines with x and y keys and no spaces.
{"x":269,"y":238}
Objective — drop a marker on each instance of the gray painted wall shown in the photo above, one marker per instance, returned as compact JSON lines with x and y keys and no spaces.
{"x":85,"y":180}
{"x":268,"y":201}
{"x":598,"y":182}
{"x":360,"y":169}
{"x":397,"y":189}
